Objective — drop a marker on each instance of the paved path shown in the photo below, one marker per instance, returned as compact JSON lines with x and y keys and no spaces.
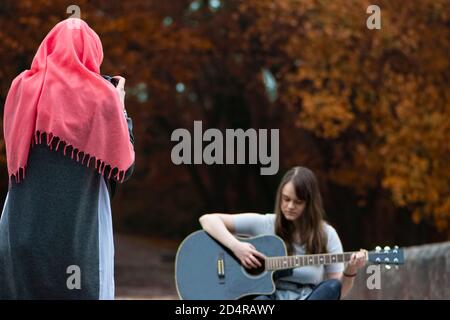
{"x":144,"y":268}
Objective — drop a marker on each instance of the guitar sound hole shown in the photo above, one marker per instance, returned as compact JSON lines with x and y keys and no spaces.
{"x":256,"y":271}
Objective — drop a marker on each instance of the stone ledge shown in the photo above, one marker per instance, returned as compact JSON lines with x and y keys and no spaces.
{"x":425,"y":275}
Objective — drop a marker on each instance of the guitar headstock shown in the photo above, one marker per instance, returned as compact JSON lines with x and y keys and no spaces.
{"x":387,"y":256}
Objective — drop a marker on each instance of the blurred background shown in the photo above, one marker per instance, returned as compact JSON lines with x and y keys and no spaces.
{"x":367,"y":110}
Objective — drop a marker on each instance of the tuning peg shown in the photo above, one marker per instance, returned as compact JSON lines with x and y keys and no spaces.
{"x":388,"y":267}
{"x":395,"y":247}
{"x":387,"y":248}
{"x":378,"y":260}
{"x":396,"y":267}
{"x":395,"y":260}
{"x":377,"y":248}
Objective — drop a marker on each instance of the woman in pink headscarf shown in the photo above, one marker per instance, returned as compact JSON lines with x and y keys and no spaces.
{"x":68,"y":142}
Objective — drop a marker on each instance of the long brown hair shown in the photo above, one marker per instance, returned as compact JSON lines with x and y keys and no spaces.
{"x":310,"y":225}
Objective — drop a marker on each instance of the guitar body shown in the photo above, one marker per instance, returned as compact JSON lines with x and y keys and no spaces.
{"x":205,"y":269}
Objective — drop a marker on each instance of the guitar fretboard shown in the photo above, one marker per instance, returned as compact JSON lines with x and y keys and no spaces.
{"x":289,"y":262}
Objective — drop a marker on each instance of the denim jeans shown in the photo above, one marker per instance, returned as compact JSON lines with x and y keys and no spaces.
{"x":326,"y":290}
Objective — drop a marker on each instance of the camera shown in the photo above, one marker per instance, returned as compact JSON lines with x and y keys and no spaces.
{"x":112,"y":80}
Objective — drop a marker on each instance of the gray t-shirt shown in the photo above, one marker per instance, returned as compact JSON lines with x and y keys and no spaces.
{"x":259,"y":224}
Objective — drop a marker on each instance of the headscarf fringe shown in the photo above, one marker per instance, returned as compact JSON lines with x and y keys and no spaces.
{"x":99,"y":165}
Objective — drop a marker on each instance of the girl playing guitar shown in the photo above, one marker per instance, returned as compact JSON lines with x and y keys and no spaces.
{"x":298,"y":220}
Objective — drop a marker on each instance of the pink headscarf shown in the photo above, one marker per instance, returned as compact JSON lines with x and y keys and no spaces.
{"x":64,"y":96}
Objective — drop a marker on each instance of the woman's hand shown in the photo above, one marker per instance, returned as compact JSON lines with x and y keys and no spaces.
{"x":121,"y":89}
{"x":247,"y":254}
{"x":357,"y":261}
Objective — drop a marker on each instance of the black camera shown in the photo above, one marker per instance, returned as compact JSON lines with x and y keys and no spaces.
{"x":112,"y":80}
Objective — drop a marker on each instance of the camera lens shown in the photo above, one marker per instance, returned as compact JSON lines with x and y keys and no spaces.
{"x":110,"y":79}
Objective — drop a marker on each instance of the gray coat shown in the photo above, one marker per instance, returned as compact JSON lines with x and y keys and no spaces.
{"x":49,"y":222}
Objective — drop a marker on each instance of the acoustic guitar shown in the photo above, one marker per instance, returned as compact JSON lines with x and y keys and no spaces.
{"x":207,"y":270}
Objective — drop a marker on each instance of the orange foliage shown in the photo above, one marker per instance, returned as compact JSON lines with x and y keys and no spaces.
{"x":377,"y":101}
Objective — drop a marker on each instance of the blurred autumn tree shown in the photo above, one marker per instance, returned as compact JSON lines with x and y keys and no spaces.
{"x":367,"y":110}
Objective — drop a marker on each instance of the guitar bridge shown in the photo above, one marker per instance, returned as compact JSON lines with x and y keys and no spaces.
{"x":221,"y":268}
